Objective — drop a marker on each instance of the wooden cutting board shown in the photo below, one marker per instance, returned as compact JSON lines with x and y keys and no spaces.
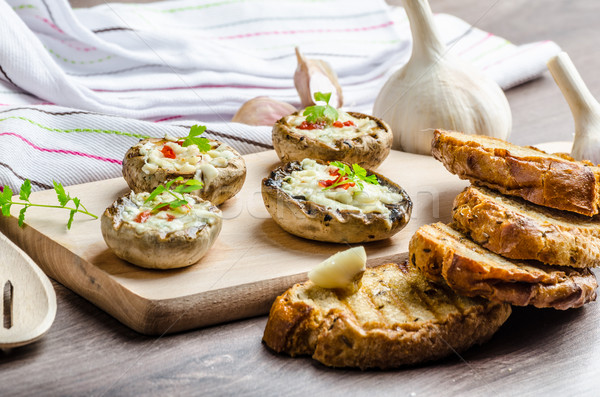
{"x":252,"y":261}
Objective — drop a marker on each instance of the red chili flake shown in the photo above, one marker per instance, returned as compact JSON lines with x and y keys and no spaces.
{"x":325,"y":183}
{"x":310,"y":126}
{"x":142,"y":216}
{"x":345,"y":186}
{"x":180,"y":143}
{"x":348,"y":123}
{"x":170,"y":217}
{"x":334,"y":172}
{"x":338,"y":124}
{"x":168,"y":152}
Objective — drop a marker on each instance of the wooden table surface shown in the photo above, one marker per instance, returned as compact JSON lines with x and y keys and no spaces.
{"x":537,"y":352}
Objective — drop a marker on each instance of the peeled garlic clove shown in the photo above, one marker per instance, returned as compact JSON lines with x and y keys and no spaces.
{"x":315,"y":75}
{"x":341,"y":270}
{"x":436,"y":90}
{"x":262,"y":110}
{"x":584,"y":107}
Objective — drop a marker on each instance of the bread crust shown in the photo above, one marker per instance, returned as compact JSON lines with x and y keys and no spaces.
{"x":227,"y":184}
{"x":368,"y":151}
{"x":555,"y":181}
{"x":336,"y":337}
{"x":515,"y":229}
{"x":472,"y":270}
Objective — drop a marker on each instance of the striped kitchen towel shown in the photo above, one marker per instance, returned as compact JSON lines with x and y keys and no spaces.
{"x":79,"y":87}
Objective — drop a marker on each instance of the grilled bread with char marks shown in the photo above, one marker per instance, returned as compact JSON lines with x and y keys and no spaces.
{"x":551,"y":180}
{"x":471,"y":270}
{"x":397,"y":317}
{"x":516,"y":229}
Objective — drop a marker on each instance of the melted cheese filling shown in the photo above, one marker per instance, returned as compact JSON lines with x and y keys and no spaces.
{"x":331,"y":134}
{"x":305,"y":182}
{"x":187,"y":159}
{"x":188,"y":218}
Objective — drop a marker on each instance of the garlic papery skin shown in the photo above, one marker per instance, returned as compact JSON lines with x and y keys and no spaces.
{"x":315,"y":75}
{"x":584,"y":107}
{"x":436,"y":90}
{"x":262,"y":110}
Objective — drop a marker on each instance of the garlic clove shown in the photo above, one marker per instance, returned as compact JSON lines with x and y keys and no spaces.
{"x":342,"y":270}
{"x":584,"y":107}
{"x":262,"y":110}
{"x":435,"y":90}
{"x":315,"y":75}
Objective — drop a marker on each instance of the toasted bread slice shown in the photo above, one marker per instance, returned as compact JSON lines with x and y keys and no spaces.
{"x":516,"y":229}
{"x":551,"y":180}
{"x":472,"y":270}
{"x":397,"y":317}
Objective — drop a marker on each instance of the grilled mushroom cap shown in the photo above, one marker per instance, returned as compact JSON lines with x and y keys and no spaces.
{"x":153,"y":247}
{"x":368,"y":150}
{"x":310,"y":220}
{"x":217,"y":189}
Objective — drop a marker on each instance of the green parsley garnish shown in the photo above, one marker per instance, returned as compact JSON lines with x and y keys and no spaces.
{"x":356,"y":174}
{"x":319,"y":113}
{"x":63,"y":199}
{"x":177,"y":192}
{"x":194,"y":138}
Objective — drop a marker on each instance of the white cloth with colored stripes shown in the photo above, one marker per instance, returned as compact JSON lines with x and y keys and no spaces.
{"x":79,"y":87}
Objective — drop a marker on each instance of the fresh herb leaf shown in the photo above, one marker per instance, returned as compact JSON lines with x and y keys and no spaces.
{"x":318,"y":113}
{"x":356,"y":174}
{"x":189,"y":186}
{"x":61,"y":195}
{"x":177,"y":192}
{"x":22,"y":216}
{"x":25,"y":191}
{"x":194,"y":138}
{"x":6,"y":195}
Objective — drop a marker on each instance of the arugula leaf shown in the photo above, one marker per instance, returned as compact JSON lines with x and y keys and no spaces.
{"x":25,"y":190}
{"x":356,"y":174}
{"x":319,"y":113}
{"x":193,"y":138}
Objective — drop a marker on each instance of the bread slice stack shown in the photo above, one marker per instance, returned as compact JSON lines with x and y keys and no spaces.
{"x":524,"y":233}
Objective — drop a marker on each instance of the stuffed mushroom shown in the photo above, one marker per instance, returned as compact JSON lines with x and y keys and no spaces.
{"x":153,"y":162}
{"x":151,"y":233}
{"x":352,"y":138}
{"x":335,"y":202}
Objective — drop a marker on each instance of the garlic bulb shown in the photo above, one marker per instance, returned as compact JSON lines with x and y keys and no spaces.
{"x":584,"y":107}
{"x":315,"y":75}
{"x":262,"y":110}
{"x":437,"y":90}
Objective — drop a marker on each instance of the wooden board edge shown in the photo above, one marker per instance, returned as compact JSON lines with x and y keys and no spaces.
{"x":228,"y":304}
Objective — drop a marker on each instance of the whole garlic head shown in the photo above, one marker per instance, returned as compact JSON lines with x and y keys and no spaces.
{"x":262,"y":110}
{"x":435,"y":90}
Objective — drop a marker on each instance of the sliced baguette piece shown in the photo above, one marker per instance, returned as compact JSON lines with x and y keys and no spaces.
{"x":397,"y":317}
{"x":472,"y":270}
{"x":516,"y":229}
{"x":551,"y":180}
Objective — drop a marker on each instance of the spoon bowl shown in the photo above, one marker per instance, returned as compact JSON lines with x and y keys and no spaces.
{"x":28,"y":298}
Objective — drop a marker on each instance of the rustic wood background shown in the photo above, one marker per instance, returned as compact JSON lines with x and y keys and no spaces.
{"x":537,"y":352}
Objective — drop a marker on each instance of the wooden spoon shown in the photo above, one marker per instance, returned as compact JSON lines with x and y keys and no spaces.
{"x":28,"y":298}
